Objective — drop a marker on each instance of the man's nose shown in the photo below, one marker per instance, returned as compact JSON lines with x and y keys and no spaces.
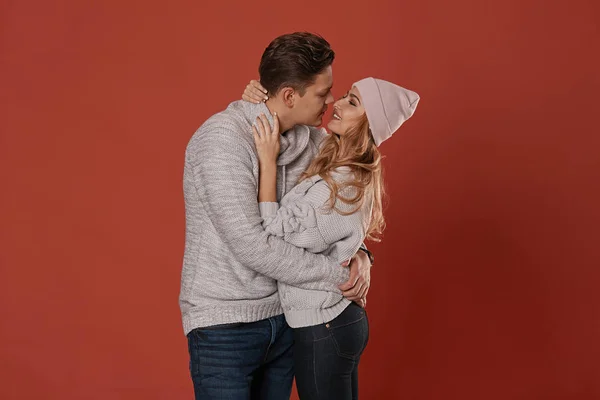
{"x":329,"y":99}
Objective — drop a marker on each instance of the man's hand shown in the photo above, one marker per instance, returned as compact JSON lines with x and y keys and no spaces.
{"x":357,"y":286}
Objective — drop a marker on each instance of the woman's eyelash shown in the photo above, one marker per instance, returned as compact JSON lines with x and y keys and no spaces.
{"x":351,"y":102}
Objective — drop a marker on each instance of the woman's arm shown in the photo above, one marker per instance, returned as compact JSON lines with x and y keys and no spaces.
{"x":305,"y":221}
{"x":267,"y":186}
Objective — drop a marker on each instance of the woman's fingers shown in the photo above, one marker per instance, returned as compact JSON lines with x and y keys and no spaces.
{"x":256,"y":84}
{"x":275,"y":124}
{"x":256,"y":135}
{"x":250,"y":95}
{"x":265,"y":123}
{"x":250,"y":99}
{"x":254,"y":93}
{"x":260,"y":127}
{"x":258,"y":95}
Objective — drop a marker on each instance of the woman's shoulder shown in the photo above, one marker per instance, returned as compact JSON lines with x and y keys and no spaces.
{"x":340,"y":175}
{"x":343,"y":172}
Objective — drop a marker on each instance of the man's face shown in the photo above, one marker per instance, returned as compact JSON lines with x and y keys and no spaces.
{"x":310,"y":108}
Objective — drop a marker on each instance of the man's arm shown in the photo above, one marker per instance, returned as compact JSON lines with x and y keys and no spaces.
{"x":300,"y":224}
{"x":357,"y":286}
{"x":363,"y":247}
{"x":223,"y":176}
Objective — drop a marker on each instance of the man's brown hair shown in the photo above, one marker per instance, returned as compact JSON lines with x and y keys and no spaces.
{"x":294,"y":60}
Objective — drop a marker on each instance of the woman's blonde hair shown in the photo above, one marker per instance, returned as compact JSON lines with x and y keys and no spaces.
{"x":357,"y":150}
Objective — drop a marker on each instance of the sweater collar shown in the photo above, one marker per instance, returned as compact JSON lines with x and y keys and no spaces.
{"x":293,"y":141}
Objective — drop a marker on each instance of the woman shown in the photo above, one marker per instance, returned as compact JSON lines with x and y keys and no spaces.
{"x":333,"y":209}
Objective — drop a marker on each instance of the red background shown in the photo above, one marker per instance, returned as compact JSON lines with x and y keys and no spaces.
{"x":486,"y":284}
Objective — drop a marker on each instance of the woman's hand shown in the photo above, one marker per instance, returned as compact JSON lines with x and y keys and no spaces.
{"x":266,"y":139}
{"x":255,"y":93}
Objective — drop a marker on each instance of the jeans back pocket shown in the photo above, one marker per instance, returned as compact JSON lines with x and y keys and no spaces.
{"x":351,"y":339}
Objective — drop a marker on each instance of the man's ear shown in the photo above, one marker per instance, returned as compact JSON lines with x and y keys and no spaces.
{"x":288,"y":96}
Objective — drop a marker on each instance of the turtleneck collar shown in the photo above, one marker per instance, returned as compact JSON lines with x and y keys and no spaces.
{"x":293,"y":141}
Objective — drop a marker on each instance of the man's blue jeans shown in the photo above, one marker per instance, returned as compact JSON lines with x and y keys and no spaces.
{"x":243,"y":361}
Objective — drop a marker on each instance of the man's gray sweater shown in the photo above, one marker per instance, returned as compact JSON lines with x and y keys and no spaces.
{"x":231,"y":264}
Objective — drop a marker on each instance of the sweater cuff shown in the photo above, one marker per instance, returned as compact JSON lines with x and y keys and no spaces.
{"x":268,"y":209}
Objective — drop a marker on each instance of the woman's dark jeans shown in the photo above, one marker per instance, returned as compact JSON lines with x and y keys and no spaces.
{"x":326,"y":356}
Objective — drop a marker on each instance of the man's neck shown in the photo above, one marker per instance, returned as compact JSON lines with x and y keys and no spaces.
{"x":274,"y":106}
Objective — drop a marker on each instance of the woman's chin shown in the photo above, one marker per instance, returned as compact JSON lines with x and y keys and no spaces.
{"x":332,"y":126}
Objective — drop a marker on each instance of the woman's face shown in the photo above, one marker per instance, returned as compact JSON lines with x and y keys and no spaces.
{"x":347,"y":112}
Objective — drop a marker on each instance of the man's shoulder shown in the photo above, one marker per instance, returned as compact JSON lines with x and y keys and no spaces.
{"x":233,"y":118}
{"x":229,"y":125}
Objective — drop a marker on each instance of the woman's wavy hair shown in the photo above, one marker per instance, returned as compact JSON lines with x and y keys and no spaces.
{"x":355,"y":149}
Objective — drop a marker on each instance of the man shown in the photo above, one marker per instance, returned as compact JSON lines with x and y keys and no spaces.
{"x":239,"y":343}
